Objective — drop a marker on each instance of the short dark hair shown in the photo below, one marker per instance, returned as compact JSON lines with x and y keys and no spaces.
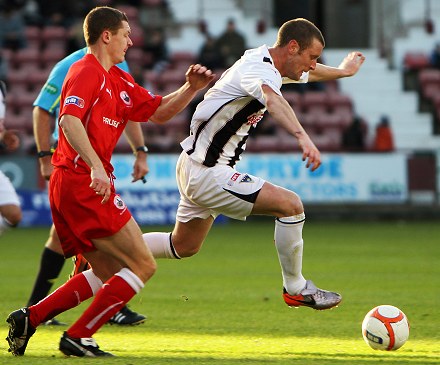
{"x":102,"y":18}
{"x":301,"y":30}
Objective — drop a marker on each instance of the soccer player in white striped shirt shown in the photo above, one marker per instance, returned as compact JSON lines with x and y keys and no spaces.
{"x":208,"y":182}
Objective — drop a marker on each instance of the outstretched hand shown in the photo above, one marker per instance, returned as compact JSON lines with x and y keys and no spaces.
{"x":311,"y":154}
{"x":352,"y":63}
{"x":199,"y":76}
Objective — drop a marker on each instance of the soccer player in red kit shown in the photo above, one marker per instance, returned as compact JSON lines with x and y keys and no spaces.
{"x":91,"y":219}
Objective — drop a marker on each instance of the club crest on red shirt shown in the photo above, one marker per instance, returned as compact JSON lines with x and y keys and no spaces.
{"x":125,"y":98}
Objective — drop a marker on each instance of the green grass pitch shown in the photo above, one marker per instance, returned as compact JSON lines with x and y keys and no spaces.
{"x":224,"y":305}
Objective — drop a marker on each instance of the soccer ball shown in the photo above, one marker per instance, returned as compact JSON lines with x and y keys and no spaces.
{"x":385,"y":328}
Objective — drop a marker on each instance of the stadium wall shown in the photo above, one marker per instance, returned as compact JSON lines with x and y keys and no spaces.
{"x":367,"y":185}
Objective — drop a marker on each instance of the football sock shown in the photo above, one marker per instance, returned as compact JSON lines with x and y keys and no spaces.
{"x":94,"y":282}
{"x":4,"y":224}
{"x":51,"y":264}
{"x":160,"y":245}
{"x":109,"y":300}
{"x":69,"y":295}
{"x":289,"y":245}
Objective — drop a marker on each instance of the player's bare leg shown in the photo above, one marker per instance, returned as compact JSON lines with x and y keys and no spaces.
{"x":188,"y":237}
{"x":123,"y":263}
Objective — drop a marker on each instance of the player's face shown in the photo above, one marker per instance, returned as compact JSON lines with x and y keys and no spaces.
{"x":302,"y":61}
{"x":120,"y":43}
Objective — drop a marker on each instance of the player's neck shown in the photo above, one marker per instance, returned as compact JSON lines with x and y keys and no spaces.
{"x":102,"y":57}
{"x":276,"y":54}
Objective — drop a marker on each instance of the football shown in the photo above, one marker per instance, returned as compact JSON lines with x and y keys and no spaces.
{"x":385,"y":327}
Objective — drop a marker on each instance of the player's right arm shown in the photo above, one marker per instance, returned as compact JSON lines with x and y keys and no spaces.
{"x":77,"y":137}
{"x":42,"y":124}
{"x":284,"y":115}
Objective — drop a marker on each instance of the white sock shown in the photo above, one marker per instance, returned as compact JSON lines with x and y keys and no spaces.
{"x":94,"y":282}
{"x":3,"y":225}
{"x":289,"y":245}
{"x":160,"y":245}
{"x":131,"y":279}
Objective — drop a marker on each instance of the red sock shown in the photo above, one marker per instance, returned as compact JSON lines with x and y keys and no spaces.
{"x":67,"y":296}
{"x":113,"y":295}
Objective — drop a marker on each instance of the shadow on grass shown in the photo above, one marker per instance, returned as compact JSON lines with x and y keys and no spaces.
{"x":317,"y":358}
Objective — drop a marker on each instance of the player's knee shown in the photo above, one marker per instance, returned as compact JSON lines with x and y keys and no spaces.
{"x":188,"y":251}
{"x":53,"y":236}
{"x":148,"y":269}
{"x":185,"y":246}
{"x":151,"y":267}
{"x":53,"y":242}
{"x":13,"y":217}
{"x":291,"y":206}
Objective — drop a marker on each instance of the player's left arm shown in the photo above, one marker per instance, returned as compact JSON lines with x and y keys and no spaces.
{"x":135,"y":137}
{"x":197,"y":78}
{"x":349,"y":66}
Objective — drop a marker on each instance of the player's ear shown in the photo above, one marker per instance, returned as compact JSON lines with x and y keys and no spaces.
{"x":106,"y":36}
{"x":293,"y":46}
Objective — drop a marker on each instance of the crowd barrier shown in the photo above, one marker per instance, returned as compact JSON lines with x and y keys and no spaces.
{"x":392,"y":179}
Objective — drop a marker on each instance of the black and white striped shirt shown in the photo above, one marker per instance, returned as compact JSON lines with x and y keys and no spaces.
{"x":222,"y":122}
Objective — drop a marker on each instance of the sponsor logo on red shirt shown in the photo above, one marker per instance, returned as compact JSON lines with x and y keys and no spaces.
{"x":111,"y":122}
{"x":74,"y":100}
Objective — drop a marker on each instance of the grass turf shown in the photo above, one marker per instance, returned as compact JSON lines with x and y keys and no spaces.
{"x":224,"y":305}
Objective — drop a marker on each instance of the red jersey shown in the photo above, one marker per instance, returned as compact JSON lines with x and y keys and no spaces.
{"x":104,"y":102}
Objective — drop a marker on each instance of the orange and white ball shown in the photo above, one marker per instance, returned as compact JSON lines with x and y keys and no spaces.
{"x":385,"y":327}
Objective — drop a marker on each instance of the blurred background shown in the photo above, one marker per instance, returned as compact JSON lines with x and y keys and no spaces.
{"x":379,"y":131}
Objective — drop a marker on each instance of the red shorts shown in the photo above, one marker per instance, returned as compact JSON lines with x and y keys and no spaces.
{"x":78,"y":214}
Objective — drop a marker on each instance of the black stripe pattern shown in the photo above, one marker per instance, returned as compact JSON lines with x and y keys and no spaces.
{"x":223,"y":135}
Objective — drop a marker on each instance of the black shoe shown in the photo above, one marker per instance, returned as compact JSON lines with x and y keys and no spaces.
{"x":81,"y":347}
{"x":20,"y":331}
{"x":126,"y":317}
{"x":54,"y":322}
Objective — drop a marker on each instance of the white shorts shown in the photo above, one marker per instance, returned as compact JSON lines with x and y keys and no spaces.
{"x":8,"y":196}
{"x":210,"y":191}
